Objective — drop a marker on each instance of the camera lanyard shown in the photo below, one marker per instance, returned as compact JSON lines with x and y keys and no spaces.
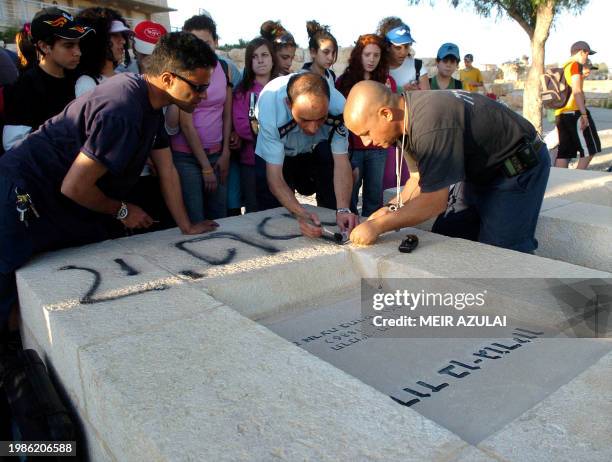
{"x":399,"y":158}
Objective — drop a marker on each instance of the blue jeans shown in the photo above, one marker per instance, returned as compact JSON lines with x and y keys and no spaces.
{"x":371,"y":168}
{"x":232,"y":185}
{"x":509,"y":207}
{"x":200,"y":205}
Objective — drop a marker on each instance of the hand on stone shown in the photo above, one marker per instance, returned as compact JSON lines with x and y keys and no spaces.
{"x":310,"y":225}
{"x":365,"y":234}
{"x":137,"y":218}
{"x":346,"y":221}
{"x":201,"y":227}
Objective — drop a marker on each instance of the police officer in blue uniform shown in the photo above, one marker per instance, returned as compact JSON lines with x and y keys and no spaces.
{"x":302,"y":145}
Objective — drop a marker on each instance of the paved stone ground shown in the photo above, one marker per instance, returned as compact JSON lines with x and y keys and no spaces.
{"x":603,"y":122}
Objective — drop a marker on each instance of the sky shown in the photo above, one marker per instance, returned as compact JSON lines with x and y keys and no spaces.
{"x":491,"y":40}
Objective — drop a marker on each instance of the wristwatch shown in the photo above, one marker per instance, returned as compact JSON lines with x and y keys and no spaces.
{"x":343,"y":210}
{"x":123,"y":212}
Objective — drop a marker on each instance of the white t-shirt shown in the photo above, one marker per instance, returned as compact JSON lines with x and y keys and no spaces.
{"x":86,"y":83}
{"x":406,"y":73}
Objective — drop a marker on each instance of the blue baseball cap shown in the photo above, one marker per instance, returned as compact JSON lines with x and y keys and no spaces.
{"x":400,"y":35}
{"x":449,"y":49}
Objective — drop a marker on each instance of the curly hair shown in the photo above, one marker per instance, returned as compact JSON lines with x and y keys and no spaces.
{"x":180,"y":52}
{"x":317,"y":33}
{"x":355,"y":73}
{"x":277,"y":35}
{"x":388,"y":23}
{"x":97,"y":48}
{"x":248,"y":76}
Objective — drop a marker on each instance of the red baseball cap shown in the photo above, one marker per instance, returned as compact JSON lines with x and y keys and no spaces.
{"x":146,"y":36}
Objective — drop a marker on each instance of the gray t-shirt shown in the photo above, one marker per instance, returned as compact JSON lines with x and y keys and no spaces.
{"x":455,"y":135}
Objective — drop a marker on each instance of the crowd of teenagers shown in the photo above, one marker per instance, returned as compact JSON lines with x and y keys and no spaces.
{"x":109,"y":130}
{"x":213,"y":149}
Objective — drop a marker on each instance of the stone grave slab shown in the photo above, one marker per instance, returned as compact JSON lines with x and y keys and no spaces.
{"x":471,"y":386}
{"x":571,"y":424}
{"x":220,"y":387}
{"x":182,"y":371}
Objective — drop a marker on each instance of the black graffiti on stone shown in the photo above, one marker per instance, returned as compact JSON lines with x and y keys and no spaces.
{"x":231,"y":252}
{"x":191,"y":274}
{"x":129,"y":270}
{"x":452,"y":368}
{"x":90,"y":296}
{"x":261,"y":228}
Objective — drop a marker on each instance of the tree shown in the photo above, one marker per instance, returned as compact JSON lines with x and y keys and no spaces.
{"x":536,"y":18}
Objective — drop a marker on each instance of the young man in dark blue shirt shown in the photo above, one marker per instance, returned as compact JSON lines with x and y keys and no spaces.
{"x":71,"y":176}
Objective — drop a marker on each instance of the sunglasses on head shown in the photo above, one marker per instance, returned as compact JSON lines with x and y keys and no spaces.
{"x":198,"y":88}
{"x":285,"y":39}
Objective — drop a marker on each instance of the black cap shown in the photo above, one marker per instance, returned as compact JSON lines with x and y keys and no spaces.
{"x":469,"y":56}
{"x":50,"y":22}
{"x":581,"y":46}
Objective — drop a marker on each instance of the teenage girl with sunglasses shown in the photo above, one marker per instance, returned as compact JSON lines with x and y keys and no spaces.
{"x":283,"y":43}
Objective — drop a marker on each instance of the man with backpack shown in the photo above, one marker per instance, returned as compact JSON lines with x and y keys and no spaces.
{"x":574,"y":122}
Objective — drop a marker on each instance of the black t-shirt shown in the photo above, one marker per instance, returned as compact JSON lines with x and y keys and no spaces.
{"x":114,"y":125}
{"x":456,"y":135}
{"x":36,"y":97}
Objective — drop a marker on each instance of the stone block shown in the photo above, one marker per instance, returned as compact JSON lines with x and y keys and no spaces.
{"x":571,"y":424}
{"x":578,"y":233}
{"x":68,"y":330}
{"x":368,"y":260}
{"x":580,"y":186}
{"x":268,"y":244}
{"x":219,"y":387}
{"x":472,"y":454}
{"x":159,"y":369}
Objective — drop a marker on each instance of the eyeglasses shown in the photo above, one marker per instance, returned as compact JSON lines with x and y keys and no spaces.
{"x":198,"y":88}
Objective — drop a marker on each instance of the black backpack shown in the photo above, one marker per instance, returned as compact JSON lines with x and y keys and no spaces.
{"x":556,"y":90}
